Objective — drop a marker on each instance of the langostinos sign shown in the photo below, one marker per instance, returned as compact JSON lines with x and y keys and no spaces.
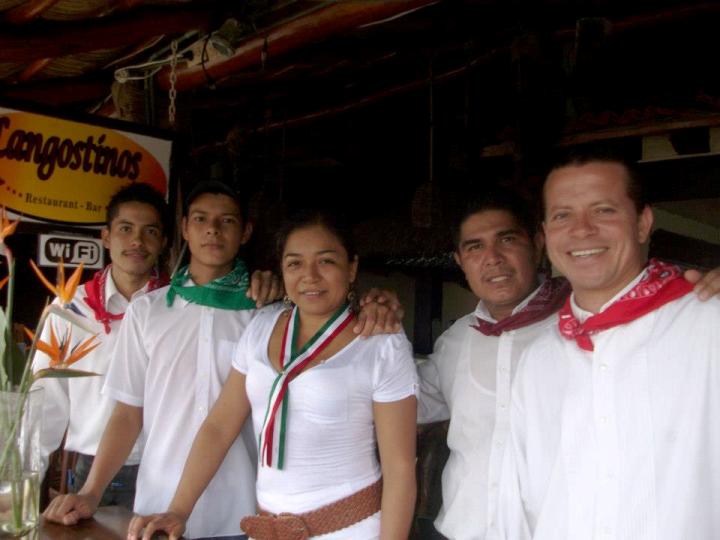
{"x":54,"y":169}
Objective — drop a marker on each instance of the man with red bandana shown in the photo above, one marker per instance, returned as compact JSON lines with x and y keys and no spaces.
{"x":468,"y":377}
{"x":615,"y":422}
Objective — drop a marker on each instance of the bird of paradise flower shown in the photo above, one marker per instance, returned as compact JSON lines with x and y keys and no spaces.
{"x":62,"y":355}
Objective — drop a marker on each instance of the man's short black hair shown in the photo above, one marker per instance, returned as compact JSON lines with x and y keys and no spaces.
{"x":577,"y":157}
{"x":142,"y":193}
{"x":504,"y":199}
{"x":216,"y":187}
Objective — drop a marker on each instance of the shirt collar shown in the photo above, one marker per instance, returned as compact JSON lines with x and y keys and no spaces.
{"x":582,"y":315}
{"x":115,"y":302}
{"x":481,"y":312}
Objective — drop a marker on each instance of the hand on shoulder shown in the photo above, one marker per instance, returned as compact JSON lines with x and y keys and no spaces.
{"x":706,"y":285}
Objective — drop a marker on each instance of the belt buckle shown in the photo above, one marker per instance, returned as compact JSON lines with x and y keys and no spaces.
{"x":290,"y":527}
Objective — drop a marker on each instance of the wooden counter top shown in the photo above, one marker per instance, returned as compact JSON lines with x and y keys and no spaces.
{"x":109,"y":523}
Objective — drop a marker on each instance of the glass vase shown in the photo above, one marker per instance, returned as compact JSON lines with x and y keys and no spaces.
{"x":20,"y":462}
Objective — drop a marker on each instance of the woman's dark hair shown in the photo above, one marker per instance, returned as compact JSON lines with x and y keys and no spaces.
{"x":337,"y":226}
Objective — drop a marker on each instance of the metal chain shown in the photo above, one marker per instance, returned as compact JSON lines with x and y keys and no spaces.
{"x":172,"y":93}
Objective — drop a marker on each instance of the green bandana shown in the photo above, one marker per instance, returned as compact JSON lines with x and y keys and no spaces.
{"x":227,"y":292}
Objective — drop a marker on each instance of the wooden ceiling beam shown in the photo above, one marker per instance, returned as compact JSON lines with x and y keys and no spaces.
{"x":51,"y":40}
{"x":334,"y":19}
{"x":58,"y":92}
{"x":27,"y":11}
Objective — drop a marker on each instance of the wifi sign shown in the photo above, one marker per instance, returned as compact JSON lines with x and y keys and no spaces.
{"x":72,"y":250}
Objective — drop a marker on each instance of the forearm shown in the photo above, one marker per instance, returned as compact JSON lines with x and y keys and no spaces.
{"x":115,"y":446}
{"x":398,"y":501}
{"x":206,"y":455}
{"x":395,"y":428}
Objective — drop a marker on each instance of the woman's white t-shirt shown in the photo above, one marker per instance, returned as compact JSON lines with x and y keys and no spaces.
{"x":330,"y":439}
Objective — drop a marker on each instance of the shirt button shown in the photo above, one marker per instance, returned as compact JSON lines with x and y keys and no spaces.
{"x":201,"y":409}
{"x":603,"y":367}
{"x":503,"y":406}
{"x":603,"y":419}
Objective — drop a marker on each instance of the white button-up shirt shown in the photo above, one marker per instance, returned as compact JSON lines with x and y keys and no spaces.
{"x":172,"y":362}
{"x":76,"y":404}
{"x":622,"y":442}
{"x":467,"y":380}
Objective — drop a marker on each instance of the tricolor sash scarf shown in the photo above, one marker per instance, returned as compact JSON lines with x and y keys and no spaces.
{"x":95,"y":294}
{"x":662,"y":283}
{"x":292,"y":362}
{"x":226,"y":292}
{"x":551,"y":296}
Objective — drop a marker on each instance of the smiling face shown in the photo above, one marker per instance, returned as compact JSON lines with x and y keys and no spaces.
{"x":499,"y":260}
{"x":134,"y":239}
{"x":593,"y":231}
{"x":316,"y":271}
{"x":214,"y":231}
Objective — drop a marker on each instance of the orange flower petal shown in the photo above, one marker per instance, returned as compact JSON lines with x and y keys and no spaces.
{"x":29,"y":333}
{"x":42,"y":278}
{"x":72,"y":284}
{"x":9,"y":229}
{"x":4,"y":281}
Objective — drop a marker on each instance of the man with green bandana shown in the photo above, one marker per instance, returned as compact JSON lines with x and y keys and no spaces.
{"x":172,"y":356}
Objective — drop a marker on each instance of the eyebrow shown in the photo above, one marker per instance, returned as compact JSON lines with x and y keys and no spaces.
{"x":323,"y":252}
{"x":126,"y":222}
{"x":198,"y":211}
{"x":501,"y":233}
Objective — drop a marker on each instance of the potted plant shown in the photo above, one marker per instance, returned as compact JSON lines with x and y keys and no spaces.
{"x":20,"y":404}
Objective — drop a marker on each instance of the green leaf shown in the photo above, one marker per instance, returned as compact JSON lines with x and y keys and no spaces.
{"x":3,"y":363}
{"x":17,"y":360}
{"x":62,"y":373}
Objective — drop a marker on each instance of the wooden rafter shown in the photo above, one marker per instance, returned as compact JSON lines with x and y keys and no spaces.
{"x":52,"y":40}
{"x":60,"y":92}
{"x":334,"y":19}
{"x":27,"y":11}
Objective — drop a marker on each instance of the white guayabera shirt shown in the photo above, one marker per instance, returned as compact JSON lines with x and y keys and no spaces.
{"x":622,"y":442}
{"x":172,"y":362}
{"x":467,"y":380}
{"x":76,"y":404}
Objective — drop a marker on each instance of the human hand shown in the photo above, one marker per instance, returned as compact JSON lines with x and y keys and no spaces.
{"x":71,"y":508}
{"x":265,"y":288}
{"x":171,"y":523}
{"x":706,"y":285}
{"x":380,"y":313}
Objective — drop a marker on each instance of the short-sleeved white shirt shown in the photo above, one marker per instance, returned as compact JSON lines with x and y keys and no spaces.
{"x":330,"y":443}
{"x":76,"y":404}
{"x":172,"y":362}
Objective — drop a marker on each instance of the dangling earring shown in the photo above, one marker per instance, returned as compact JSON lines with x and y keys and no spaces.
{"x":287,"y":301}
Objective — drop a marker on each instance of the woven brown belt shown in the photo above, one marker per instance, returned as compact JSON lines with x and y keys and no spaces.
{"x":326,"y":519}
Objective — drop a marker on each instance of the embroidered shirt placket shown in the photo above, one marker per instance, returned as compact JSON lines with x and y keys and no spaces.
{"x":606,"y":430}
{"x":503,"y":381}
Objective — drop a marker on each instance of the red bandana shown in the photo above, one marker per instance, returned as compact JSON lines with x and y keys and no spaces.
{"x":95,"y":295}
{"x":662,"y":283}
{"x":547,"y":301}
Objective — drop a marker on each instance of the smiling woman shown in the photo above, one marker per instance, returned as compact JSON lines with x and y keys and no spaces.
{"x":305,"y":377}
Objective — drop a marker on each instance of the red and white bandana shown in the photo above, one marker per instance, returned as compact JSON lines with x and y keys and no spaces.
{"x":662,"y":283}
